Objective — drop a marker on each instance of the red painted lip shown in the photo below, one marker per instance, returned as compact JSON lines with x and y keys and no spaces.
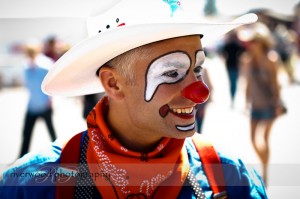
{"x":183,"y":115}
{"x":164,"y":110}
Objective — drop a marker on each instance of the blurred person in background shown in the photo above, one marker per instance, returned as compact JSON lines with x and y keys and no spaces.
{"x":39,"y":104}
{"x":89,"y":101}
{"x":260,"y":64}
{"x":51,"y":48}
{"x":296,"y":25}
{"x":231,"y":51}
{"x":286,"y":46}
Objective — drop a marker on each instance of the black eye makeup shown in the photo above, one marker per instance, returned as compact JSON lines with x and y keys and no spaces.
{"x":198,"y":71}
{"x":169,"y":68}
{"x":200,"y":58}
{"x":172,"y":74}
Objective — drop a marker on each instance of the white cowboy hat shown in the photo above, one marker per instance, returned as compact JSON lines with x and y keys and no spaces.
{"x":127,"y":25}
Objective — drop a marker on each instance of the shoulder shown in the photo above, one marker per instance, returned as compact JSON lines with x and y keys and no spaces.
{"x":245,"y":60}
{"x":240,"y":179}
{"x":245,"y":57}
{"x":274,"y":59}
{"x":44,"y":61}
{"x":32,"y":176}
{"x":224,"y":158}
{"x":273,"y":56}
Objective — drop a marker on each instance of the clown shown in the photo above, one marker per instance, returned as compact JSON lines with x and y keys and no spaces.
{"x":164,"y":90}
{"x":140,"y":140}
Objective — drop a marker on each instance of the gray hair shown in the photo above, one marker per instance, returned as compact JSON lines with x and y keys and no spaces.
{"x":124,"y":62}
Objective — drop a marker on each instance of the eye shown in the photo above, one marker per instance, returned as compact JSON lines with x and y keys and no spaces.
{"x":197,"y":71}
{"x":172,"y":73}
{"x":117,"y":20}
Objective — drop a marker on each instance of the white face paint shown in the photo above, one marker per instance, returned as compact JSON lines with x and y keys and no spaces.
{"x":168,"y":69}
{"x":200,"y":58}
{"x":171,"y":68}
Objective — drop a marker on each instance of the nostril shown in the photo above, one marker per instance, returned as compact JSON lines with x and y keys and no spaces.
{"x":197,"y":92}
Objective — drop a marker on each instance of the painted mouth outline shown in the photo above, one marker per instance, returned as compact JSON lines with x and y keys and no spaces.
{"x":188,"y":127}
{"x":164,"y":110}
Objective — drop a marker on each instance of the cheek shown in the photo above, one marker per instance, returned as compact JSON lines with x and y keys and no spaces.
{"x":164,"y":93}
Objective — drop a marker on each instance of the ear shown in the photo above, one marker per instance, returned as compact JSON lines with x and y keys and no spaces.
{"x":111,"y":82}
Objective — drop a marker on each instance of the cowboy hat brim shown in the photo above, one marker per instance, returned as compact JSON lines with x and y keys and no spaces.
{"x":74,"y":73}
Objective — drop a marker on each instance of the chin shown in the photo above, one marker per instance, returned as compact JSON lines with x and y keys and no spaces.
{"x":185,"y":134}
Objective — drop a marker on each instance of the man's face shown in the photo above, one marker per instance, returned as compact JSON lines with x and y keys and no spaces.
{"x":155,"y":104}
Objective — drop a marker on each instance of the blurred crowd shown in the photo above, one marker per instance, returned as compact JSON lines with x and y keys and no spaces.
{"x":257,"y":53}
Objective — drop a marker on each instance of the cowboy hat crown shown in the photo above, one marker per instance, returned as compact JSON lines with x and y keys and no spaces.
{"x":125,"y":26}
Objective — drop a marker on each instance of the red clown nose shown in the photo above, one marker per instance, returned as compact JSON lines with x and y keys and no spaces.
{"x":198,"y":92}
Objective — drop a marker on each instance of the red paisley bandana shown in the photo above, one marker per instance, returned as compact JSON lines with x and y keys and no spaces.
{"x":122,"y":173}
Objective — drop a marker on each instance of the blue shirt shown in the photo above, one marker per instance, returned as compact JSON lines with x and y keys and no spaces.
{"x":38,"y":101}
{"x":34,"y":74}
{"x":35,"y":178}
